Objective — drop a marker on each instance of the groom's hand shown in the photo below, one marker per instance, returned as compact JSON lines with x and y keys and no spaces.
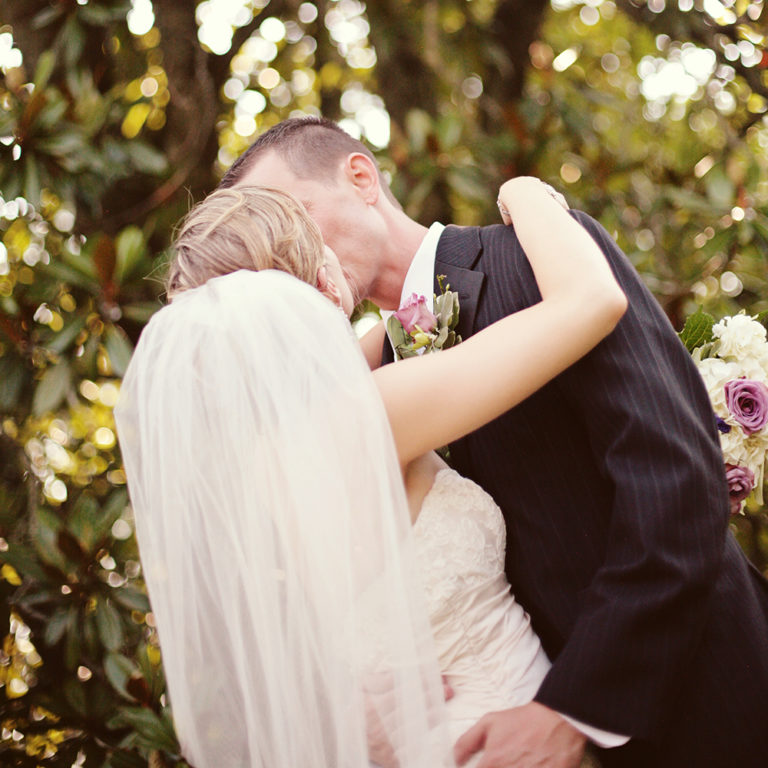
{"x":532,"y":736}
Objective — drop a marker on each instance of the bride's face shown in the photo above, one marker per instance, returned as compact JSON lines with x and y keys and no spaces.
{"x":338,"y":279}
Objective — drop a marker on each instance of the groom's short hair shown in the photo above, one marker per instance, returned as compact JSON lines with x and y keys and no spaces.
{"x":311,"y":146}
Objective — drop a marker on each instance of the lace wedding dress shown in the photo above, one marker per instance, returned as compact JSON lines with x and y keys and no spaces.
{"x":485,"y":644}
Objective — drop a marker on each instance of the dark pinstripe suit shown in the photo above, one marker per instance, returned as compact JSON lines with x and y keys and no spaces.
{"x":612,"y":485}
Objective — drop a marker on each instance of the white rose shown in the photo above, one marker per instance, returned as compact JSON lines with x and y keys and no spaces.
{"x":740,"y":337}
{"x":737,"y":450}
{"x":716,"y":374}
{"x":731,"y":445}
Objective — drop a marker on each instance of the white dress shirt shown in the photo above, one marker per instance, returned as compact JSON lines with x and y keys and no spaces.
{"x":420,"y":280}
{"x":421,"y":274}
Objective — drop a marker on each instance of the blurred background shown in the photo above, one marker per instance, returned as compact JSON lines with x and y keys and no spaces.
{"x":116,"y":116}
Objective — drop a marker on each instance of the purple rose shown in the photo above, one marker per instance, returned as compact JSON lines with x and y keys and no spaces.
{"x":740,"y":483}
{"x":747,"y":400}
{"x":415,"y":312}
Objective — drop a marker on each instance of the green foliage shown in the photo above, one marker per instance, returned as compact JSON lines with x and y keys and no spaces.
{"x":106,"y":135}
{"x":697,"y":330}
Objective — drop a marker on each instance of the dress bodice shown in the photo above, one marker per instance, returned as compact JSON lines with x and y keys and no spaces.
{"x":485,"y":644}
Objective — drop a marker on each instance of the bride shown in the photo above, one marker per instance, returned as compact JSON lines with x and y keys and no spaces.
{"x":313,"y":566}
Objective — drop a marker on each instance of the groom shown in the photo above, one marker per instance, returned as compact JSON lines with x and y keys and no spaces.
{"x":611,"y":482}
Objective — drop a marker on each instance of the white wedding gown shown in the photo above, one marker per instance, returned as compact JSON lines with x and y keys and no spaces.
{"x":485,"y":644}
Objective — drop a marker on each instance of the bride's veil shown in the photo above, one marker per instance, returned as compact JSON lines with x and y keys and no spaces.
{"x":274,"y":534}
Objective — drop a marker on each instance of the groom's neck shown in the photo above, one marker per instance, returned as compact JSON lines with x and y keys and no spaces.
{"x":405,"y":237}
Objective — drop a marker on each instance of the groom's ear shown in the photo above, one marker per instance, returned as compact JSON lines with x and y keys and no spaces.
{"x":363,"y":174}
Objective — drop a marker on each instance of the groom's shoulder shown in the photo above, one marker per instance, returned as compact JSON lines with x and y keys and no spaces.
{"x":481,"y":247}
{"x":464,"y":245}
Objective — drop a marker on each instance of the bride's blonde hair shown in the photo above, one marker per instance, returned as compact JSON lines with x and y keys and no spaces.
{"x":244,"y":228}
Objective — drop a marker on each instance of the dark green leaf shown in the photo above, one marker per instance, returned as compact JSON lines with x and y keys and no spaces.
{"x":146,"y":158}
{"x":125,"y":759}
{"x":118,"y":347}
{"x":74,"y":36}
{"x":31,"y":180}
{"x":110,"y":512}
{"x":24,"y":560}
{"x":12,"y":505}
{"x":82,"y":520}
{"x":131,"y":248}
{"x":11,"y":187}
{"x":155,"y":732}
{"x":66,"y":142}
{"x":52,"y":388}
{"x":118,"y":669}
{"x":47,"y":16}
{"x":132,"y":599}
{"x":37,"y":598}
{"x":93,"y":647}
{"x":140,"y":312}
{"x":44,"y":69}
{"x":75,"y":696}
{"x":69,"y":274}
{"x":697,"y":330}
{"x":72,"y":648}
{"x":63,"y":620}
{"x":66,"y":335}
{"x":51,"y":114}
{"x":83,"y":261}
{"x":45,"y":538}
{"x":13,"y":375}
{"x":109,"y":625}
{"x":98,"y":15}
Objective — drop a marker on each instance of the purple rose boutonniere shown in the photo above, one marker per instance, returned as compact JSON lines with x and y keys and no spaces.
{"x":415,"y":316}
{"x":732,"y":358}
{"x":415,"y":330}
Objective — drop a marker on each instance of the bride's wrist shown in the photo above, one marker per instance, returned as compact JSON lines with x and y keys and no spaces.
{"x":521,"y":189}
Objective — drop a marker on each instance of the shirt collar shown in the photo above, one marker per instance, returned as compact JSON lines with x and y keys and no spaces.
{"x":420,"y":277}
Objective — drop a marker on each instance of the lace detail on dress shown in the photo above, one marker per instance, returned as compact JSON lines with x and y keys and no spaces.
{"x":483,"y":638}
{"x":484,"y":641}
{"x":461,"y":539}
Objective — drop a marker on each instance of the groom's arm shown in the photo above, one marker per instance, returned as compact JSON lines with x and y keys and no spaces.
{"x":651,"y":429}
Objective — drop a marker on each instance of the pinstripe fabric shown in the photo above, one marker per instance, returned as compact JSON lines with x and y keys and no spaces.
{"x":612,"y":485}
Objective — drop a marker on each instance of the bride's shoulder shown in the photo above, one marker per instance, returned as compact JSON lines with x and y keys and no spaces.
{"x":419,"y":477}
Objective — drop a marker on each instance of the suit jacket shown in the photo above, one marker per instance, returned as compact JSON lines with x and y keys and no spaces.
{"x":612,"y":484}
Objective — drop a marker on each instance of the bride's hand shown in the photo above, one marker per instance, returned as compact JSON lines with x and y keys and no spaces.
{"x":507,"y":187}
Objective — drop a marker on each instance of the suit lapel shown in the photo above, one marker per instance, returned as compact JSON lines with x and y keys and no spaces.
{"x":457,"y":252}
{"x":469,"y":285}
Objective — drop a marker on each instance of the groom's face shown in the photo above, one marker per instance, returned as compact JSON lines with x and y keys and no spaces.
{"x":335,"y":207}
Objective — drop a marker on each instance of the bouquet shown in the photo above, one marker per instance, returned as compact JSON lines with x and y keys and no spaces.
{"x":732,"y":357}
{"x":414,"y":329}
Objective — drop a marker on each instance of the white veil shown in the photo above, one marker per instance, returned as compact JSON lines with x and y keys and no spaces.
{"x":274,"y":534}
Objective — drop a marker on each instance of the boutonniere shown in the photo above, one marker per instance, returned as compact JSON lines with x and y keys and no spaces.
{"x":414,"y":330}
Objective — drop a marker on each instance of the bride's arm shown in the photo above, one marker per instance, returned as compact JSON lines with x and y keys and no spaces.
{"x":372,"y":343}
{"x":500,"y":366}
